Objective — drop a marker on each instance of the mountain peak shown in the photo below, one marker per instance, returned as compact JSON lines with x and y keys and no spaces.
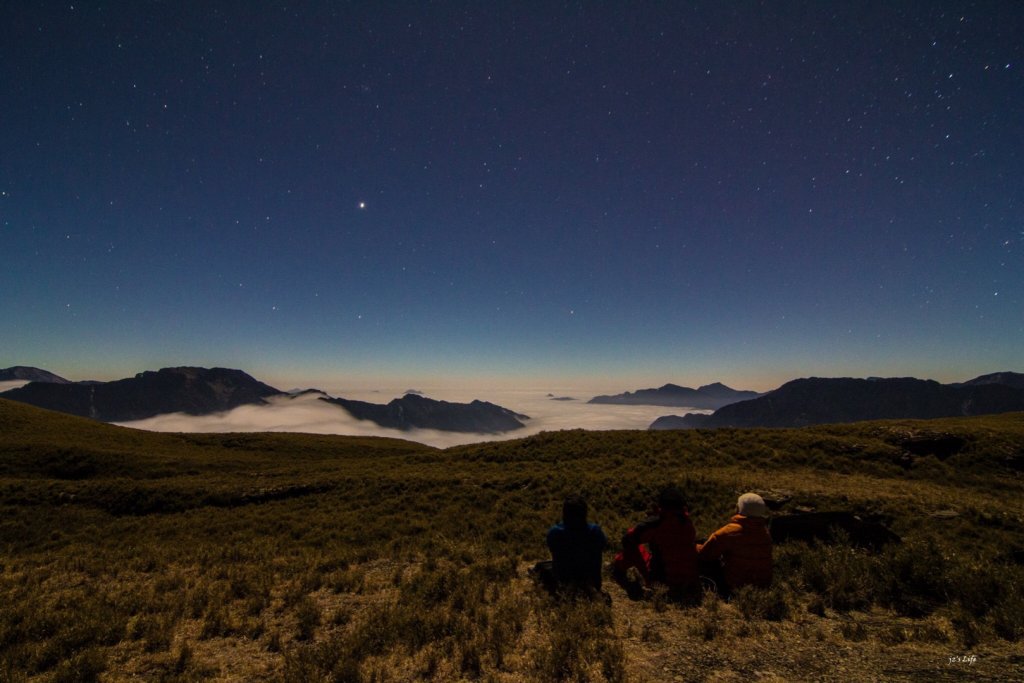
{"x":30,"y":374}
{"x":1011,"y":379}
{"x":190,"y":390}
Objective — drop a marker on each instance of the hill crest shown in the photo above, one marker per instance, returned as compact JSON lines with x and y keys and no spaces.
{"x":816,"y":400}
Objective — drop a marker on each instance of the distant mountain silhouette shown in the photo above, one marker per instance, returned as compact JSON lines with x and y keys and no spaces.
{"x":416,"y":412}
{"x":1010,"y":379}
{"x":707,"y":397}
{"x":306,"y":392}
{"x":815,"y":400}
{"x":195,"y":391}
{"x":29,"y":374}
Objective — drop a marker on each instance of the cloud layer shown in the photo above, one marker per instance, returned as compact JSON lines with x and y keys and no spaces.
{"x":309,"y":415}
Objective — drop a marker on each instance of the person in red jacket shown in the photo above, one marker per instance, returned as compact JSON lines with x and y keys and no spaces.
{"x":742,"y":549}
{"x":662,"y":549}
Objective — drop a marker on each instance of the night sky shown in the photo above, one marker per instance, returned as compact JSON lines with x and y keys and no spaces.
{"x":614,"y":194}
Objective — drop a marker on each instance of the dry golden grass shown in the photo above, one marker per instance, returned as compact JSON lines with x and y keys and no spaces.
{"x":129,"y":555}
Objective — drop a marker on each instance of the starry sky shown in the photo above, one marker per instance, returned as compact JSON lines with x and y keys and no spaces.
{"x":609,"y":195}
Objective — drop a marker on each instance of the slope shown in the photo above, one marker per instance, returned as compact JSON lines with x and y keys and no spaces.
{"x":292,"y":557}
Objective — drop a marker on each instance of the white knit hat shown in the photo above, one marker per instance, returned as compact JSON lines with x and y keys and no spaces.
{"x":751,"y":505}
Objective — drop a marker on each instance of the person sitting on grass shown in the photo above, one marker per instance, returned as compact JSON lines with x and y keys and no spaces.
{"x":661,"y":549}
{"x":740,"y":553}
{"x":576,"y":546}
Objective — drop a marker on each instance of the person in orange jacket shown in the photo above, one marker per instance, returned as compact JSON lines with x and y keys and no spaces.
{"x":742,"y":548}
{"x":661,"y":548}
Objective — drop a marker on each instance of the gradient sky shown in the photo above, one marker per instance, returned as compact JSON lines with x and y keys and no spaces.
{"x":609,"y":195}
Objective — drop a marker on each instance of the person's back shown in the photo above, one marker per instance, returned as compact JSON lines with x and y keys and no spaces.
{"x":576,"y":546}
{"x":670,"y":538}
{"x":670,"y":556}
{"x":743,"y":546}
{"x":576,"y":553}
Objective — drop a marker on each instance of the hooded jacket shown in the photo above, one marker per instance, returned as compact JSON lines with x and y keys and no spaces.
{"x":744,"y":547}
{"x":670,"y":538}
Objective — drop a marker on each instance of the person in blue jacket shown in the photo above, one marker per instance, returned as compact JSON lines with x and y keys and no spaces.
{"x":576,"y":546}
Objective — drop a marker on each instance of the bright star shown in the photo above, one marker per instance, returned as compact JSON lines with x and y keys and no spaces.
{"x":362,"y":205}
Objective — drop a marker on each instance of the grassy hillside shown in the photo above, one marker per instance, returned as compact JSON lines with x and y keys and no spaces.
{"x":295,"y":557}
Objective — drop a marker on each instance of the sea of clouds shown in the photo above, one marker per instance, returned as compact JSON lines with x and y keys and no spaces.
{"x":308,"y":414}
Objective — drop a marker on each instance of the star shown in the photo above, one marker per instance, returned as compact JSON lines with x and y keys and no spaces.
{"x":362,"y":206}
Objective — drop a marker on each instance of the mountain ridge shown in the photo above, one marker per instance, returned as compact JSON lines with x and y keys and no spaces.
{"x":815,"y":400}
{"x":413,"y":411}
{"x":186,"y":389}
{"x":801,"y":402}
{"x":707,"y":397}
{"x":201,"y":391}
